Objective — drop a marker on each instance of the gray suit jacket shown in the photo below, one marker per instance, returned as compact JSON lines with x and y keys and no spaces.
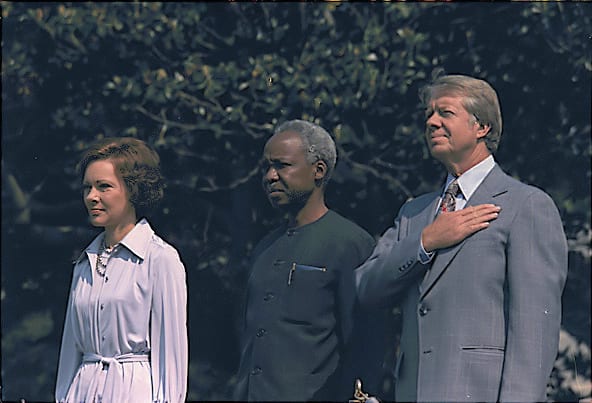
{"x":480,"y":322}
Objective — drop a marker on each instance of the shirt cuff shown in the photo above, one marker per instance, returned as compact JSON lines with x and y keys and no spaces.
{"x":423,"y":256}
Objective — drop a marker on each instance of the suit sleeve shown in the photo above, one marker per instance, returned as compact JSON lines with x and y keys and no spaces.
{"x":168,"y":330}
{"x":536,"y":274}
{"x":353,"y":323}
{"x":392,"y":266}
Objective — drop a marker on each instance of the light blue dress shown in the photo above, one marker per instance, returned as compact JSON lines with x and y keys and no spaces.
{"x":125,"y":334}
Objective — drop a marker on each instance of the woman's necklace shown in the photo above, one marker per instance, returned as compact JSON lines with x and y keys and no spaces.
{"x":105,"y":252}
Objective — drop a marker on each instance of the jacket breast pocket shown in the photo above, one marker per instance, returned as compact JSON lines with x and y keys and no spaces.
{"x":308,"y":294}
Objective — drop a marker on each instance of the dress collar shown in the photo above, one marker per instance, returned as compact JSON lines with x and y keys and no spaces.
{"x":136,"y":241}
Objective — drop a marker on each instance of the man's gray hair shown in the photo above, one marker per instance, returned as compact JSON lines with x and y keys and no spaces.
{"x":317,"y":143}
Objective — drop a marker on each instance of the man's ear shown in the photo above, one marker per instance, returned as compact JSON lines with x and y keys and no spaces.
{"x":320,"y":170}
{"x":483,"y":130}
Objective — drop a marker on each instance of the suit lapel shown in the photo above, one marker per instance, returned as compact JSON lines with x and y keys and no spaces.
{"x":427,"y":216}
{"x":493,"y":185}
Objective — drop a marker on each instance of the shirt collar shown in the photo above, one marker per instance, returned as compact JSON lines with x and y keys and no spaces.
{"x":137,"y":241}
{"x":469,"y":181}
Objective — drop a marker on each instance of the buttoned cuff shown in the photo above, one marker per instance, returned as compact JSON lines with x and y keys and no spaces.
{"x":423,"y":256}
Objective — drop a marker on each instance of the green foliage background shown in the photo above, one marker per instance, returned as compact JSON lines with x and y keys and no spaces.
{"x":205,"y":83}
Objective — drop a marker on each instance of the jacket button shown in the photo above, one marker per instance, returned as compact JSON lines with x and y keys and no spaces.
{"x":423,"y":310}
{"x":261,"y":332}
{"x":268,"y":297}
{"x":278,"y":262}
{"x":256,"y":371}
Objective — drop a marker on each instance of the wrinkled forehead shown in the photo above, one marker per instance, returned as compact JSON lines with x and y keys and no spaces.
{"x":444,"y":95}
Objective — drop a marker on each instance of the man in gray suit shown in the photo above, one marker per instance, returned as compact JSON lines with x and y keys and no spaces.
{"x":479,"y":268}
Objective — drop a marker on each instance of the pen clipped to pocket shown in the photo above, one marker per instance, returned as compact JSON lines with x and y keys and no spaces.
{"x":302,"y":267}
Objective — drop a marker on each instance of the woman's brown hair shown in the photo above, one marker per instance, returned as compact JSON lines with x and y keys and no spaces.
{"x":138,"y":166}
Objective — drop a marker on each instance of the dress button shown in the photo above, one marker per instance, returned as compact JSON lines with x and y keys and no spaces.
{"x":256,"y":371}
{"x":102,"y":307}
{"x":423,"y":310}
{"x":268,"y":297}
{"x":103,"y":338}
{"x":261,"y":332}
{"x":106,"y":279}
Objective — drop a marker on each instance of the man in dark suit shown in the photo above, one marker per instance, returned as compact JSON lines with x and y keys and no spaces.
{"x":479,"y":267}
{"x":299,"y":318}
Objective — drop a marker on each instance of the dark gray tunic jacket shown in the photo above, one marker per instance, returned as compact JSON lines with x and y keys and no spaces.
{"x":299,"y":313}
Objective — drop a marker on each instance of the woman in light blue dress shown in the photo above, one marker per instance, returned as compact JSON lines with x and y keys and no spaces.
{"x":125,"y":332}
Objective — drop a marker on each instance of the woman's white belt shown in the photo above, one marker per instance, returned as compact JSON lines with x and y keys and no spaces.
{"x":118,"y":359}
